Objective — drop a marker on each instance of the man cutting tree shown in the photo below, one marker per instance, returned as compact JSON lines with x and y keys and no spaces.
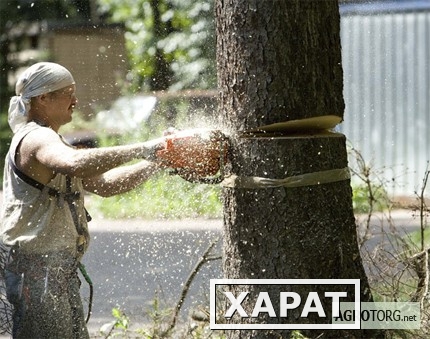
{"x":44,"y":222}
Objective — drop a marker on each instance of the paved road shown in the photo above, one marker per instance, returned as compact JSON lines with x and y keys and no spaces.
{"x":381,"y":224}
{"x":131,"y":262}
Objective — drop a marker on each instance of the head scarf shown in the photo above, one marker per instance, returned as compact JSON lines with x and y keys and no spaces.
{"x":41,"y":78}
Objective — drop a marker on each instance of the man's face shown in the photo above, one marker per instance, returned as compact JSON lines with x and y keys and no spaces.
{"x":61,"y":104}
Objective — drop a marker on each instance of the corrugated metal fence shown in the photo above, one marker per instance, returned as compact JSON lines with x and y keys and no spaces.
{"x":387,"y":94}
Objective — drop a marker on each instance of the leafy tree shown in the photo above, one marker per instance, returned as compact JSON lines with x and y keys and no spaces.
{"x":171,"y":43}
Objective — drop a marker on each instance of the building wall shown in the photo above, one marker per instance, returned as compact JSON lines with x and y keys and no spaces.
{"x":97,"y":59}
{"x":387,"y":94}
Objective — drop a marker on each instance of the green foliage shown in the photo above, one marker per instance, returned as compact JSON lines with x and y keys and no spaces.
{"x":118,"y":327}
{"x":297,"y":335}
{"x":179,"y":33}
{"x":122,"y":321}
{"x":155,"y":328}
{"x":367,"y":199}
{"x":414,"y":238}
{"x":369,"y":192}
{"x":158,"y":317}
{"x":15,"y":11}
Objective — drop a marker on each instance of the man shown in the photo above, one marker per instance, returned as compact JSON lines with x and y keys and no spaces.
{"x":44,"y":222}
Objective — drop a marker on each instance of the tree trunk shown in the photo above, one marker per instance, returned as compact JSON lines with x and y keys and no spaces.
{"x":281,"y":61}
{"x":162,"y":74}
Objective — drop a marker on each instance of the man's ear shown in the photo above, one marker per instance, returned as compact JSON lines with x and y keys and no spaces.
{"x":41,"y":99}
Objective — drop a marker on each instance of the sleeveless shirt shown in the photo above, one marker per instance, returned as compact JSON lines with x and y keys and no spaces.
{"x":36,"y":221}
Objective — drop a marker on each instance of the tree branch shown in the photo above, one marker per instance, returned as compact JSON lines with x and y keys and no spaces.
{"x":203,"y":259}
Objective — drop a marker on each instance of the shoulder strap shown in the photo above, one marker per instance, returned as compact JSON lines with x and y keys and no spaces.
{"x":29,"y":180}
{"x":70,"y":196}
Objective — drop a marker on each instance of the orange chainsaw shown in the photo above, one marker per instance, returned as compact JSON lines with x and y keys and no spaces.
{"x":197,"y":155}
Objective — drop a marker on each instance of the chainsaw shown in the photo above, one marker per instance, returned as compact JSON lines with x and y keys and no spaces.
{"x":196,"y":155}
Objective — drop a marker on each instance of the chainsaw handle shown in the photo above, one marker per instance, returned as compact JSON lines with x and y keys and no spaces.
{"x":150,"y":148}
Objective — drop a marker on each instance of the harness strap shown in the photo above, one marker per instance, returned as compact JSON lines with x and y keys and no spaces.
{"x":31,"y":181}
{"x":70,"y":196}
{"x":90,"y":284}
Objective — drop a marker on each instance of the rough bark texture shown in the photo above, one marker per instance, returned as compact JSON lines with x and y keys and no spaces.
{"x":280,"y":61}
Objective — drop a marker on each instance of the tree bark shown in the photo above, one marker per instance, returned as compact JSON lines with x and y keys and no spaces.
{"x":280,"y":61}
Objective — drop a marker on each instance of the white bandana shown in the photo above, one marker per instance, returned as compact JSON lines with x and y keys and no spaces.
{"x":41,"y":78}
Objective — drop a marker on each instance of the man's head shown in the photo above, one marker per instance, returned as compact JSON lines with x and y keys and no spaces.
{"x":38,"y":81}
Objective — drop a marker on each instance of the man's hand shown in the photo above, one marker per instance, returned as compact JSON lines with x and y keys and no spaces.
{"x":150,"y":148}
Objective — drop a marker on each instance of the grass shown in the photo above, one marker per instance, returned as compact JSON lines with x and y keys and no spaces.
{"x":415,"y":238}
{"x":162,"y":197}
{"x":167,"y":196}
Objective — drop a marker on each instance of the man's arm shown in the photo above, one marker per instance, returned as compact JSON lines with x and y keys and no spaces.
{"x":121,"y":179}
{"x":42,"y":153}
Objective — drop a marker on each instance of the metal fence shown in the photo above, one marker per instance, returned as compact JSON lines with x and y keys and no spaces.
{"x":386,"y":60}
